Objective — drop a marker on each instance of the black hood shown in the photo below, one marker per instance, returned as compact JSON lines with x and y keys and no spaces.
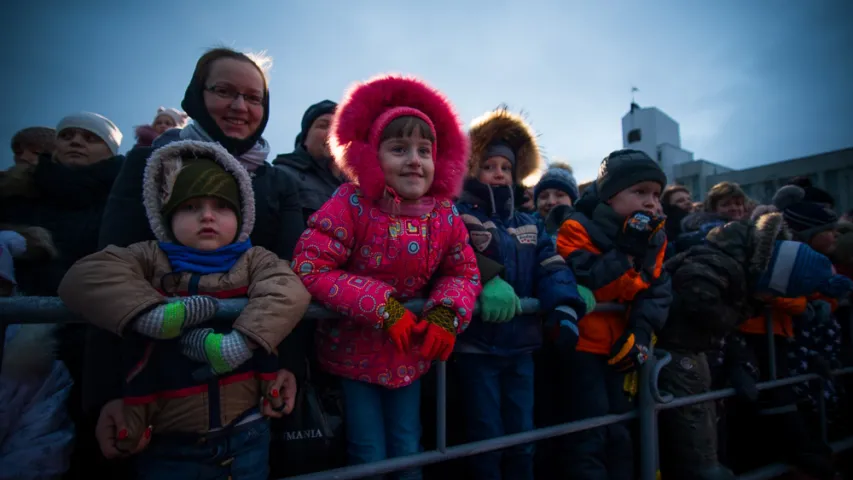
{"x":193,"y":104}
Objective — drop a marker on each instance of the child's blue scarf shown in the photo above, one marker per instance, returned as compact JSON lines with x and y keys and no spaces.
{"x":203,"y":262}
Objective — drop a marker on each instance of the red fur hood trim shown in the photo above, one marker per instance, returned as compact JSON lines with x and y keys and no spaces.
{"x":365,"y":102}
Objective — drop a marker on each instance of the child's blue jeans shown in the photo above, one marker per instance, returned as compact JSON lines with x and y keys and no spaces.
{"x":498,"y":396}
{"x":241,"y":454}
{"x":382,"y":423}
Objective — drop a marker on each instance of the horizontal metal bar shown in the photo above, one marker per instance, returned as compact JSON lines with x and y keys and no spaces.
{"x":52,"y":310}
{"x":464,"y":450}
{"x":730,"y":392}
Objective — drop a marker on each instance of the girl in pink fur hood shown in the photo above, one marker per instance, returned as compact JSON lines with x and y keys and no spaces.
{"x":390,"y":236}
{"x":165,"y":119}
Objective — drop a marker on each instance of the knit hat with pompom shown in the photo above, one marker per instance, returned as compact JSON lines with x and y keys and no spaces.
{"x":805,"y":219}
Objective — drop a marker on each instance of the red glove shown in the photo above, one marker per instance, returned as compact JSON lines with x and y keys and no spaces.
{"x":439,"y":333}
{"x":399,"y":323}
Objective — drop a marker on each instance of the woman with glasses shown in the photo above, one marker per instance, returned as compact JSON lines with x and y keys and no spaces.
{"x":227,"y":101}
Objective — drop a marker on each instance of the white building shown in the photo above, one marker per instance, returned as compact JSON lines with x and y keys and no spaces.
{"x":656,"y":134}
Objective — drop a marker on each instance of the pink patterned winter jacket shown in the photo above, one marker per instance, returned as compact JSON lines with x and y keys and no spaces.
{"x":353,"y":257}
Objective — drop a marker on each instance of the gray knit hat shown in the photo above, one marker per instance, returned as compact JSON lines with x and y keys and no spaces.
{"x":100,"y":125}
{"x":558,"y":177}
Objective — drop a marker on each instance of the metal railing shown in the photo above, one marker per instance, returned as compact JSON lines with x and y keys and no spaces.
{"x":650,"y":400}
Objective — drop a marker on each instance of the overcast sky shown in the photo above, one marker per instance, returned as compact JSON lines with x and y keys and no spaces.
{"x":749,"y":82}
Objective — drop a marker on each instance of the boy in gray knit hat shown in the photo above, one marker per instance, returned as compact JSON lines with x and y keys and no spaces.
{"x":556,"y":187}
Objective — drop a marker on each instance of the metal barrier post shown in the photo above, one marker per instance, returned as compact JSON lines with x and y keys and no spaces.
{"x":821,"y":410}
{"x":441,"y":408}
{"x":771,"y":344}
{"x":647,"y":418}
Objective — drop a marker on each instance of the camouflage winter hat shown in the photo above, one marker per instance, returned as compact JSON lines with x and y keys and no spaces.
{"x":200,"y":177}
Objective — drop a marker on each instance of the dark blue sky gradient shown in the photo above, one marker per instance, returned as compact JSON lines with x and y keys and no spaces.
{"x":749,"y":82}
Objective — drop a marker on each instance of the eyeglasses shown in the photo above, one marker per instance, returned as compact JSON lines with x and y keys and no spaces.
{"x":232,"y":94}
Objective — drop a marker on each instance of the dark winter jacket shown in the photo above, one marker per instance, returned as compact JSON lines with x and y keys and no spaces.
{"x":586,"y":237}
{"x":712,"y":283}
{"x":68,"y":202}
{"x":278,"y":224}
{"x":694,"y":229}
{"x":316,"y":182}
{"x":531,"y":266}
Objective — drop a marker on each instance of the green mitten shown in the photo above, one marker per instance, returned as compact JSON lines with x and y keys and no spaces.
{"x":167,"y":320}
{"x":223,"y":352}
{"x":588,"y":298}
{"x":498,"y":302}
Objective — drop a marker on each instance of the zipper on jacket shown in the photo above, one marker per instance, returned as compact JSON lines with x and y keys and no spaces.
{"x":213,"y":410}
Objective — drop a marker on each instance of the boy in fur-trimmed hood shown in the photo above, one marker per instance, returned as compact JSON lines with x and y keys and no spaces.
{"x":160,"y":296}
{"x":495,"y":354}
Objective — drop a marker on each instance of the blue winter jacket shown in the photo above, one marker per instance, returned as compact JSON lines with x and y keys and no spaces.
{"x":531,"y":266}
{"x":36,"y":433}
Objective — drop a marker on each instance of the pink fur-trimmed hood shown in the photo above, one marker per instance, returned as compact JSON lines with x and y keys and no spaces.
{"x":363,"y":105}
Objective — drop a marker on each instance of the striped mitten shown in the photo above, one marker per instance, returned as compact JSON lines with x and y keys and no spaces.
{"x":167,"y":320}
{"x":223,"y":352}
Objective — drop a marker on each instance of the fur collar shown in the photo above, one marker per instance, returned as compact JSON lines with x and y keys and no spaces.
{"x":501,"y":124}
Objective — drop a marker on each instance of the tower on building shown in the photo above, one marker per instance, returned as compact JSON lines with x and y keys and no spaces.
{"x":655,"y":133}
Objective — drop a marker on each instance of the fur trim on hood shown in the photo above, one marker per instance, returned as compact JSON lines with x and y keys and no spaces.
{"x":162,"y":169}
{"x":362,"y":106}
{"x":761,"y":210}
{"x":501,"y":124}
{"x":751,"y":243}
{"x":29,"y":351}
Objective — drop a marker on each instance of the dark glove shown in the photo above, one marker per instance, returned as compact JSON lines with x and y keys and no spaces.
{"x":821,"y":311}
{"x":631,"y":350}
{"x":562,"y":327}
{"x":637,"y":232}
{"x":743,"y":382}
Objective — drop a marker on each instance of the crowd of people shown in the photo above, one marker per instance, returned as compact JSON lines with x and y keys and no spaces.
{"x":387,"y":199}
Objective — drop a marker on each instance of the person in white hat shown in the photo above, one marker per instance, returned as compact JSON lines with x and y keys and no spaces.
{"x":85,"y":138}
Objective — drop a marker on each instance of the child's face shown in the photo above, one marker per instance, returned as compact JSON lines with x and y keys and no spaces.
{"x":496,"y":171}
{"x":550,"y":198}
{"x":163,"y":123}
{"x":204,"y":223}
{"x":26,"y":154}
{"x":644,"y":196}
{"x":732,"y":208}
{"x":408,"y":165}
{"x":682,"y":200}
{"x":824,"y":242}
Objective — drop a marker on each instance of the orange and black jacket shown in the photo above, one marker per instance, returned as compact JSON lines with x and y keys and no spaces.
{"x":586,"y":240}
{"x":782,"y":311}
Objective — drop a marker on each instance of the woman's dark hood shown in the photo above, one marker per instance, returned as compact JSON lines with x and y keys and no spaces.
{"x":193,"y":105}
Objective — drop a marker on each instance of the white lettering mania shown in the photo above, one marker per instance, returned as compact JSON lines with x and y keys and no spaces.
{"x":303,"y":434}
